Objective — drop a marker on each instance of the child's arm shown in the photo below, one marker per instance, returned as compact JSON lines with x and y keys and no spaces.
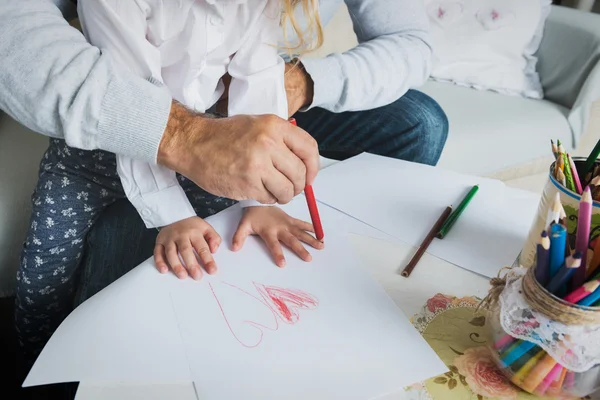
{"x":119,"y":28}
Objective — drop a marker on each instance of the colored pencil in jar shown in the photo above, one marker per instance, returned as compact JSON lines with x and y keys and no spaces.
{"x":543,"y":259}
{"x":564,"y":273}
{"x":582,"y":241}
{"x":577,"y":181}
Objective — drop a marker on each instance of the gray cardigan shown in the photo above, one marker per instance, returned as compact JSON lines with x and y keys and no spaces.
{"x":55,"y":83}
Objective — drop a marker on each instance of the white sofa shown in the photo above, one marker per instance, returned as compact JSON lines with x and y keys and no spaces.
{"x":490,"y":134}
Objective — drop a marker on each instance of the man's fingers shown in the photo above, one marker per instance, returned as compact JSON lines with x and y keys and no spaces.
{"x":295,"y":245}
{"x":204,"y":255}
{"x":279,"y":186}
{"x":275,"y":249}
{"x":189,"y":259}
{"x":160,"y":259}
{"x":174,"y":261}
{"x":292,"y":168}
{"x":305,"y":147}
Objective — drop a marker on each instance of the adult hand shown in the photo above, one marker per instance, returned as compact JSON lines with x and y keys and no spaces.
{"x":263,"y":158}
{"x":299,"y":88}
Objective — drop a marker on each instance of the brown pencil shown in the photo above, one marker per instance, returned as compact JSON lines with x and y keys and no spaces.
{"x":421,"y":250}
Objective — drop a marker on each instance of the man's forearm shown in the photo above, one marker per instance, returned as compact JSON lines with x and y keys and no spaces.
{"x":55,"y":83}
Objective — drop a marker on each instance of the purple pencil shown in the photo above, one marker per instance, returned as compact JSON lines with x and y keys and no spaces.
{"x":542,"y":274}
{"x":584,"y":220}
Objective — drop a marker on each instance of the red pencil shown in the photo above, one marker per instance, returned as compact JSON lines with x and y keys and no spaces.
{"x":312,"y":206}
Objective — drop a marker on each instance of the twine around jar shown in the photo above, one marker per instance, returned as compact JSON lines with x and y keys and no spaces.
{"x":554,"y":307}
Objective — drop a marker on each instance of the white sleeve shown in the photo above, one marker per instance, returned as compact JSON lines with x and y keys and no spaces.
{"x":119,"y":28}
{"x":257,"y":73}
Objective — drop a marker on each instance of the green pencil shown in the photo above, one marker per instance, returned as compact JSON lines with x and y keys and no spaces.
{"x":589,"y":163}
{"x":456,"y":213}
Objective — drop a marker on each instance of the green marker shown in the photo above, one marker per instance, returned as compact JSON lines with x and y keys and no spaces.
{"x":456,"y":213}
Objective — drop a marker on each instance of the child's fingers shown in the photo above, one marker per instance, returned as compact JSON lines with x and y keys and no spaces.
{"x":204,"y":254}
{"x":296,"y":245}
{"x":308,"y":239}
{"x":240,"y":236}
{"x":305,"y":226}
{"x":275,"y":249}
{"x":189,"y":259}
{"x":159,"y":259}
{"x":174,"y":262}
{"x":213,"y":239}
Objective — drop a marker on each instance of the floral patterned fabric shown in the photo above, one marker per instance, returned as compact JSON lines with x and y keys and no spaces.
{"x":460,"y":335}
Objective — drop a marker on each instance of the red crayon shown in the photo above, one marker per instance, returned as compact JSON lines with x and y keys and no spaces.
{"x":312,"y":205}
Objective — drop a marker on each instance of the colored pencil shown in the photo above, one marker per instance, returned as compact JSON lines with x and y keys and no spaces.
{"x":584,"y":220}
{"x":516,"y":351}
{"x":570,"y":184}
{"x":591,"y":160}
{"x":565,"y":272}
{"x":547,"y":381}
{"x":594,"y":264}
{"x":570,"y":380}
{"x":543,"y":259}
{"x":576,"y":179}
{"x":430,"y":236}
{"x":559,"y":165}
{"x":538,"y":373}
{"x":556,"y":386}
{"x":312,"y":205}
{"x":554,"y":211}
{"x":524,"y":371}
{"x":457,"y":212}
{"x":590,"y":298}
{"x":558,"y":243}
{"x":582,"y":291}
{"x":554,"y":149}
{"x":560,"y":177}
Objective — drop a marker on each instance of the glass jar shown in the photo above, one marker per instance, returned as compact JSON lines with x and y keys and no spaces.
{"x":533,"y":370}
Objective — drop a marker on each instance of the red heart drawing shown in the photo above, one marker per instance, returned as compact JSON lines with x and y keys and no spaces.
{"x":286,"y":303}
{"x":275,"y":302}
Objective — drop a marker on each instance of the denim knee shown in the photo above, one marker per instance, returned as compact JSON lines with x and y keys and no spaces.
{"x":430,"y":123}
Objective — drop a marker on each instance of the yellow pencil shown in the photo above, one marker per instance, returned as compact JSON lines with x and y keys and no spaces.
{"x":538,"y":373}
{"x":520,"y":375}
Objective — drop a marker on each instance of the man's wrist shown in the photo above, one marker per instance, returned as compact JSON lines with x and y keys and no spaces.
{"x":183,"y":127}
{"x":300,"y":85}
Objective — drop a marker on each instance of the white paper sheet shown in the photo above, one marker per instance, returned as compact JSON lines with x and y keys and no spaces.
{"x":405,"y":199}
{"x":347,"y":340}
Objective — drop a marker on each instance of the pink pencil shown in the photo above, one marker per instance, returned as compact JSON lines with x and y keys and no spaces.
{"x":582,"y":291}
{"x":584,"y":220}
{"x":575,"y":175}
{"x":551,"y":377}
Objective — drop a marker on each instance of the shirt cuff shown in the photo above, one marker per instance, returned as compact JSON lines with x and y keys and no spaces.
{"x":253,"y":203}
{"x":326,"y":74}
{"x":134,"y":117}
{"x":164,"y":207}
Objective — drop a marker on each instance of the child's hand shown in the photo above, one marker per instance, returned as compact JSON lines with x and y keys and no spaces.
{"x":273,"y":225}
{"x":189,"y":237}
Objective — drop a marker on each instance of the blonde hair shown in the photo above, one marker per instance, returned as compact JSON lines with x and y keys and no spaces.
{"x":310,"y":39}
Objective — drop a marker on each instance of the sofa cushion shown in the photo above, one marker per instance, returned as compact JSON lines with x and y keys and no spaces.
{"x":491,"y":132}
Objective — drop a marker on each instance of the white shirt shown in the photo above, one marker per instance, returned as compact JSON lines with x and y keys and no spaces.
{"x":189,"y":45}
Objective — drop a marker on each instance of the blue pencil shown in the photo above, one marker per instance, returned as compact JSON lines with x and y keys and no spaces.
{"x":558,"y":245}
{"x":516,"y":351}
{"x":590,"y":299}
{"x":564,"y":273}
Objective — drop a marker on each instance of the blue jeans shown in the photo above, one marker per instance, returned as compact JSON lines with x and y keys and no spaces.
{"x":414,"y":128}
